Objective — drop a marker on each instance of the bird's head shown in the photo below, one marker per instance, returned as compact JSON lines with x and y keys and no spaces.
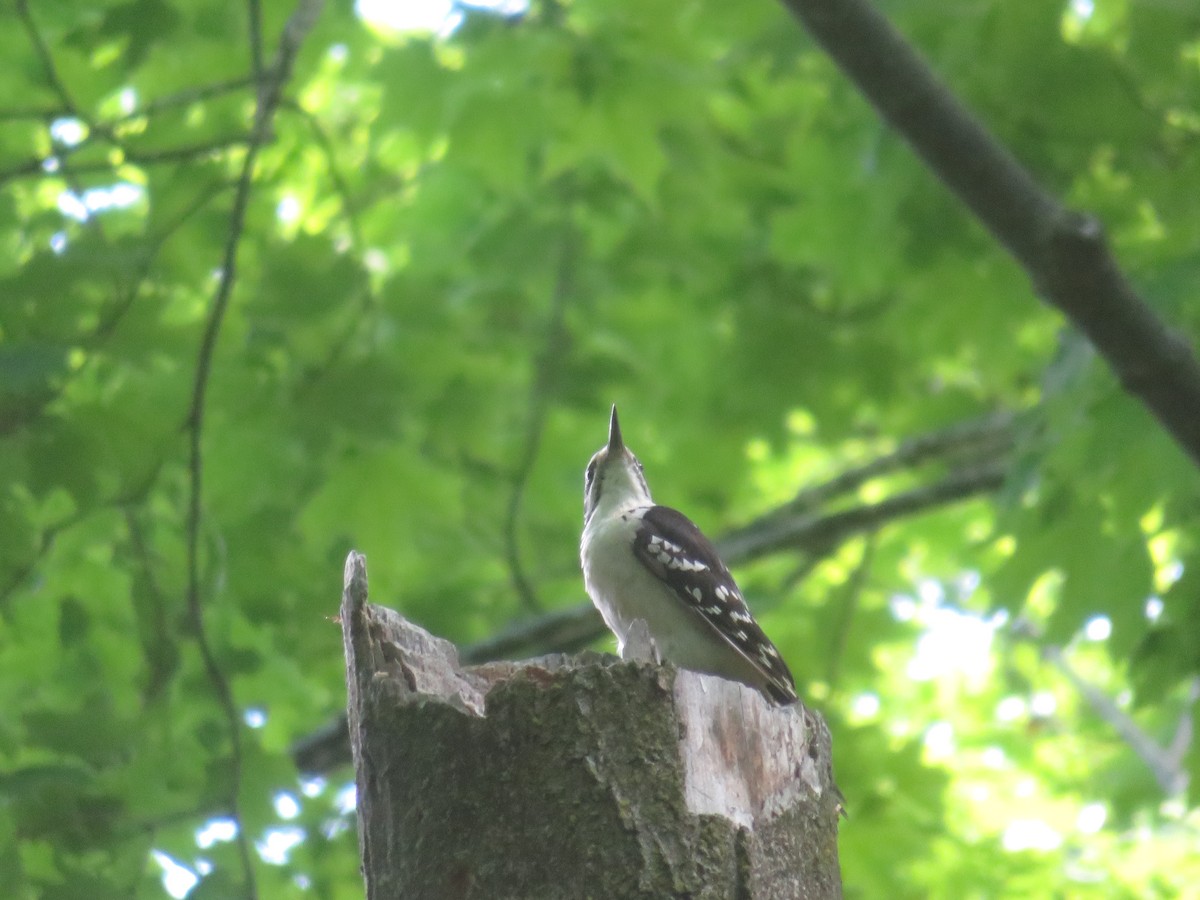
{"x":614,"y":476}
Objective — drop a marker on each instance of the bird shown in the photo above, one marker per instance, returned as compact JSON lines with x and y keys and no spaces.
{"x":642,"y":561}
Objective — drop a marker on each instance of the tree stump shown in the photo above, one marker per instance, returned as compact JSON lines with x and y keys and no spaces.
{"x":575,"y":776}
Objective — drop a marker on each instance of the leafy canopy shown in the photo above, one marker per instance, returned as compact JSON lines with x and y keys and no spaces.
{"x":456,"y":252}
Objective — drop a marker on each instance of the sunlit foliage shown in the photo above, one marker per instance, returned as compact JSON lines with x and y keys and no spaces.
{"x":459,"y":247}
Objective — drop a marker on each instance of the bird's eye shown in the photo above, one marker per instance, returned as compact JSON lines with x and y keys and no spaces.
{"x":590,"y":476}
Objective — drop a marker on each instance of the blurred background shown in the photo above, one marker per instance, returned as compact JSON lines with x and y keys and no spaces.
{"x":389,"y":312}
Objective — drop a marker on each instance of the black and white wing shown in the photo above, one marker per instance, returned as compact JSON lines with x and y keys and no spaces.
{"x":679,"y":555}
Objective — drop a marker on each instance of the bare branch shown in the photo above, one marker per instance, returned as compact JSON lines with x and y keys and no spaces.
{"x":1166,"y":769}
{"x":340,"y":186}
{"x":773,"y":533}
{"x":44,"y":114}
{"x":52,"y":166}
{"x":987,"y":438}
{"x":561,"y":631}
{"x":1171,"y":778}
{"x":254,"y":18}
{"x":846,"y":607}
{"x":1181,"y":742}
{"x":571,"y":629}
{"x":270,"y":89}
{"x":185,"y":97}
{"x":158,"y":643}
{"x":46,"y":59}
{"x":1064,"y":252}
{"x":545,"y":373}
{"x":45,"y":544}
{"x":107,"y":322}
{"x":187,"y":152}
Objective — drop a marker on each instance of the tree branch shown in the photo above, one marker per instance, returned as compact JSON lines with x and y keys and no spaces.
{"x":1171,"y":778}
{"x":978,"y":440}
{"x":366,"y":298}
{"x":340,"y":186}
{"x":46,"y":59}
{"x":1181,"y":742}
{"x":45,"y":544}
{"x":1163,"y":765}
{"x":546,"y":370}
{"x":1064,"y":252}
{"x":185,"y":97}
{"x":108,"y":320}
{"x":571,"y":629}
{"x":158,"y":643}
{"x":567,"y":630}
{"x":254,"y":18}
{"x":49,"y":165}
{"x":45,"y":114}
{"x":270,"y":90}
{"x":773,"y":533}
{"x":846,"y":608}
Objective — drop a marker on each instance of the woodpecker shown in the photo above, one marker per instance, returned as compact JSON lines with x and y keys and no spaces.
{"x":649,"y":562}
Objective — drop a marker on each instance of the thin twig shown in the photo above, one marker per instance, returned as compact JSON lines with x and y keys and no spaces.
{"x":270,"y":90}
{"x":846,"y":607}
{"x":545,"y":373}
{"x":47,"y":60}
{"x":1181,"y":742}
{"x":132,"y":497}
{"x":158,"y":645}
{"x":990,"y":436}
{"x":212,"y":668}
{"x":367,"y":298}
{"x":1170,"y":777}
{"x":254,"y":18}
{"x":185,"y":97}
{"x":108,"y":321}
{"x":64,"y":96}
{"x":188,"y":152}
{"x":340,"y":186}
{"x":773,"y":533}
{"x":1167,"y":771}
{"x":45,"y":543}
{"x":55,"y":165}
{"x":32,"y":113}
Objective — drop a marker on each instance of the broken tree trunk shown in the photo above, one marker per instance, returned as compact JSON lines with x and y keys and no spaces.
{"x":575,"y":777}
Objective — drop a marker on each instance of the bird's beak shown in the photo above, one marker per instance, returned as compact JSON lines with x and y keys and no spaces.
{"x":615,"y":444}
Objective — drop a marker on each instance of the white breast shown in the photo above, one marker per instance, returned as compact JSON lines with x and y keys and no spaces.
{"x":620,"y":586}
{"x":624,"y":591}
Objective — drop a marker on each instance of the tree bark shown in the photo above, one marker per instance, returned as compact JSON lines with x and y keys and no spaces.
{"x":576,"y":776}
